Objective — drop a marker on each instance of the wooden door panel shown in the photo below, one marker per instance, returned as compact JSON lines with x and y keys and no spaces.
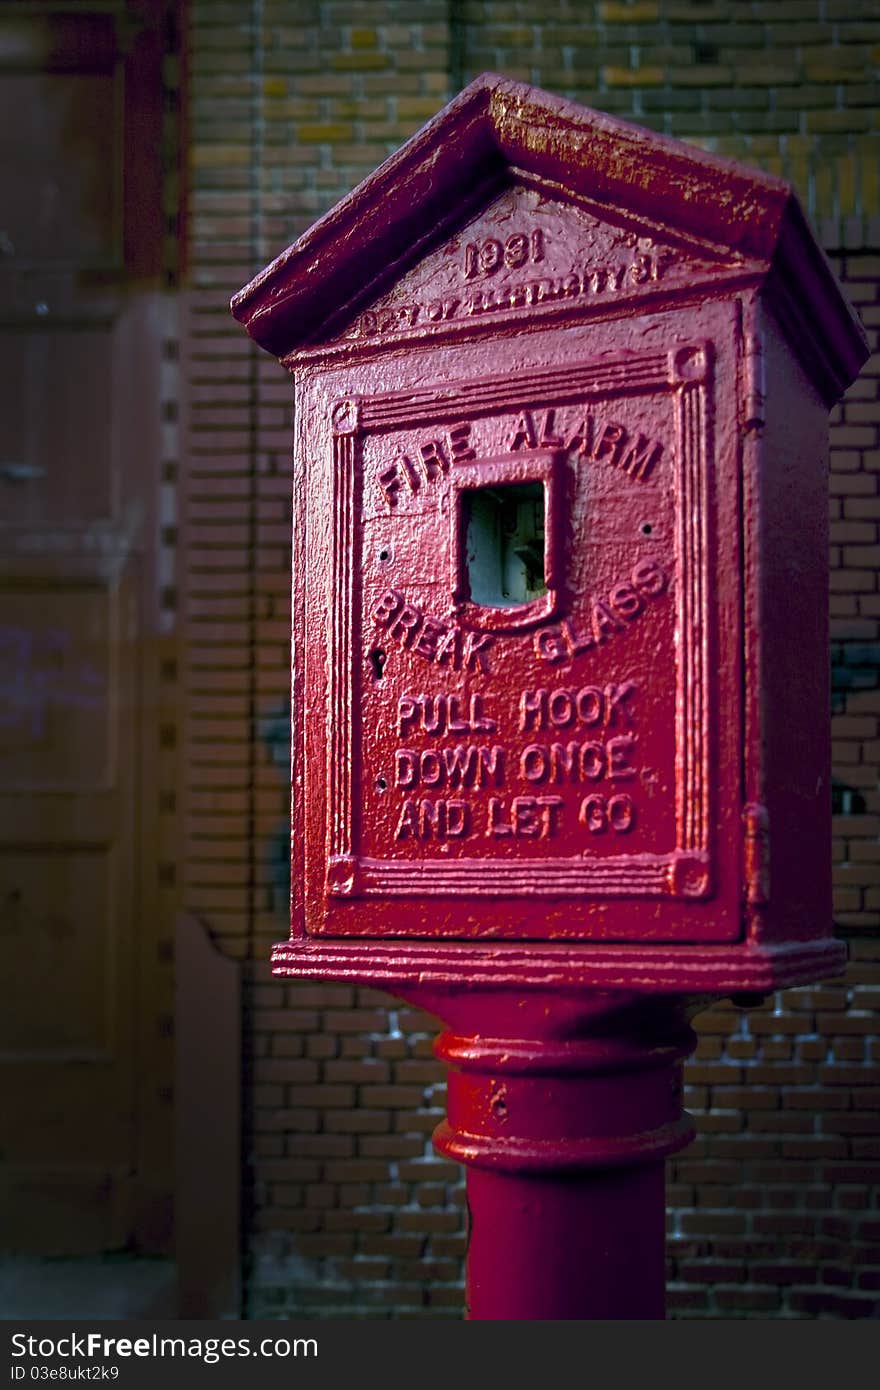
{"x":65,"y":1211}
{"x":80,"y":122}
{"x":57,"y":136}
{"x":87,"y":1126}
{"x":68,"y":789}
{"x":57,"y":920}
{"x":55,"y":384}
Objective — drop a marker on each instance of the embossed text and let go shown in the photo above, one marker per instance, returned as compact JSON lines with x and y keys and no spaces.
{"x":520,"y":817}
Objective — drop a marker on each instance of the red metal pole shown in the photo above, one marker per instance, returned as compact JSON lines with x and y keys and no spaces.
{"x":565,"y":1141}
{"x":587,"y":1246}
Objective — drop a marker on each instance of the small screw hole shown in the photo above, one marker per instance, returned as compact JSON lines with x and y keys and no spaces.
{"x":384,"y":555}
{"x":381,"y":784}
{"x":377,"y":661}
{"x":646,"y":528}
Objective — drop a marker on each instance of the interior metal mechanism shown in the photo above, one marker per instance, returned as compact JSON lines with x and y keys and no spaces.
{"x":504,"y":543}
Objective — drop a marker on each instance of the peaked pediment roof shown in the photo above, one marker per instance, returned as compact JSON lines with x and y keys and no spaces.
{"x":497,"y":132}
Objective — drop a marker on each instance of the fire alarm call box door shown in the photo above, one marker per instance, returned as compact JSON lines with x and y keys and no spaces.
{"x":518,"y":621}
{"x":559,"y":563}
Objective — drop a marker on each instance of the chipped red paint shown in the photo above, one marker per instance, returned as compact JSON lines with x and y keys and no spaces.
{"x":560,"y":716}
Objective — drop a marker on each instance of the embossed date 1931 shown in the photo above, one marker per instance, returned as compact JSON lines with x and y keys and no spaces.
{"x":487,"y":256}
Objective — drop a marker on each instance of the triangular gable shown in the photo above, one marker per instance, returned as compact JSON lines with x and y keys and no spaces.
{"x":535,"y":253}
{"x":498,"y":134}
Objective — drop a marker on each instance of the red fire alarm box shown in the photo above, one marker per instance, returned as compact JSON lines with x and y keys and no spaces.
{"x":560,"y":670}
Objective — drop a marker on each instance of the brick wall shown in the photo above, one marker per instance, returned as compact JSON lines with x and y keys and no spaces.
{"x":774,"y":1209}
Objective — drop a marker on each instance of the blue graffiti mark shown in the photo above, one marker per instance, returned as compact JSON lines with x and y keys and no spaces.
{"x":38,"y":670}
{"x":274,"y":729}
{"x":855,"y":670}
